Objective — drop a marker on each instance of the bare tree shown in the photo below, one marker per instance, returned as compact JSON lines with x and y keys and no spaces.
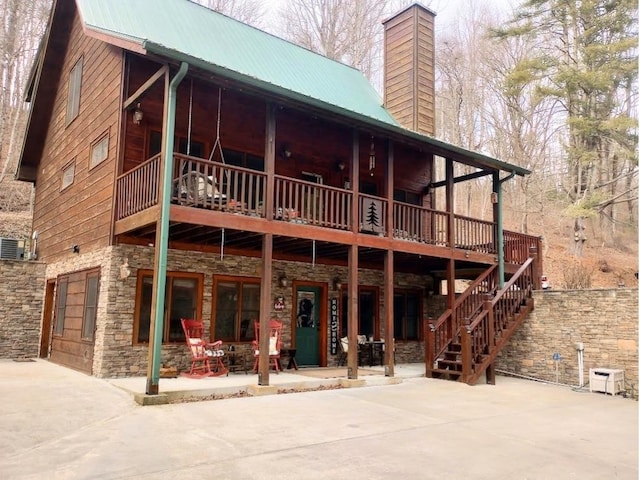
{"x":246,"y":11}
{"x":22,"y":28}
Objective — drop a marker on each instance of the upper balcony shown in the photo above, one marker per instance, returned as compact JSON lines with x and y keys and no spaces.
{"x":210,"y":186}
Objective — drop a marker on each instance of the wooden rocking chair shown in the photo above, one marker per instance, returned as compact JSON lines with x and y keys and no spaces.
{"x":206,"y":358}
{"x":275,"y":340}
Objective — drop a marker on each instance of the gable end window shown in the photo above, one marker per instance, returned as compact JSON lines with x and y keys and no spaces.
{"x":68,"y":173}
{"x":75,"y":84}
{"x":99,"y":150}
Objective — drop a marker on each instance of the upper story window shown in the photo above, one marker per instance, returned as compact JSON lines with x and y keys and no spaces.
{"x":68,"y":173}
{"x":75,"y":83}
{"x":407,"y":197}
{"x":99,"y":150}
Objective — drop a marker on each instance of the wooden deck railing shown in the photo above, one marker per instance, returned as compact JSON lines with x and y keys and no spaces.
{"x":299,"y":201}
{"x":217,"y":186}
{"x":419,"y":224}
{"x":466,"y":306}
{"x":137,"y":189}
{"x":373,"y":214}
{"x":474,"y":234}
{"x":517,"y":246}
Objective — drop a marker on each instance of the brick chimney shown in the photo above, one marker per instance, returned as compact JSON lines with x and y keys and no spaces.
{"x":409,"y":65}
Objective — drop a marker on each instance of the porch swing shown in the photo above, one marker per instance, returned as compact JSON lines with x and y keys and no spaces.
{"x":197,"y":184}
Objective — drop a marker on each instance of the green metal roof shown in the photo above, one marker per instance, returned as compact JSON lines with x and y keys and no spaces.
{"x":179,"y":26}
{"x":185,"y":31}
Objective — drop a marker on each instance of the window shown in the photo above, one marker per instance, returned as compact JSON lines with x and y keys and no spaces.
{"x":75,"y":83}
{"x":367,"y":311}
{"x":196,"y":148}
{"x":61,"y":306}
{"x":99,"y":150}
{"x":407,"y":308}
{"x":183,"y":299}
{"x":407,"y":197}
{"x":68,"y":173}
{"x":241,"y":159}
{"x":236,"y":307}
{"x":90,"y":307}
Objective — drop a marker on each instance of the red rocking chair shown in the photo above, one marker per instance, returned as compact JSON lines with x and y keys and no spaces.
{"x":206,"y":358}
{"x":275,"y":340}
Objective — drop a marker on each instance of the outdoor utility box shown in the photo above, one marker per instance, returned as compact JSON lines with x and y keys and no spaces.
{"x":606,"y":380}
{"x":11,"y":249}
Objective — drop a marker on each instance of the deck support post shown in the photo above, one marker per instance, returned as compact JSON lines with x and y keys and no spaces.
{"x":497,"y":218}
{"x":352,"y":298}
{"x":389,"y":335}
{"x":156,"y":327}
{"x":389,"y":369}
{"x":265,"y":308}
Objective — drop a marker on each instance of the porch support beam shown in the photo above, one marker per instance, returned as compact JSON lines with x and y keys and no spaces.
{"x":389,"y":334}
{"x":156,"y":327}
{"x":265,"y":308}
{"x":355,"y":182}
{"x":463,"y":178}
{"x":270,"y":160}
{"x":451,"y":234}
{"x":145,"y":86}
{"x":352,"y":298}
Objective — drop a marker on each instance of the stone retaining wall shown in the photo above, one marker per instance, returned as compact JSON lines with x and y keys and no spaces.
{"x":21,"y":299}
{"x":605,"y":321}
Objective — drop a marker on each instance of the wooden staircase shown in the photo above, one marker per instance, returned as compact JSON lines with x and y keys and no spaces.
{"x":462,"y":344}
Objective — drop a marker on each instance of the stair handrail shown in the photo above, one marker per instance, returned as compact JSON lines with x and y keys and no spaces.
{"x":447,"y":326}
{"x":479,"y":335}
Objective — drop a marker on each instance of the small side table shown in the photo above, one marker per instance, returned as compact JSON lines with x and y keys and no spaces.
{"x":291,"y":353}
{"x":236,"y":360}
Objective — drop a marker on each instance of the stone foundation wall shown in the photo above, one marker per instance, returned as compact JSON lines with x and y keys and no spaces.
{"x":22,"y":288}
{"x":116,"y":356}
{"x":605,"y":321}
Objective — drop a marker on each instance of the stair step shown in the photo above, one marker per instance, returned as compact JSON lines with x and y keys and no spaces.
{"x":446,"y":374}
{"x":450,"y":365}
{"x":452,"y":355}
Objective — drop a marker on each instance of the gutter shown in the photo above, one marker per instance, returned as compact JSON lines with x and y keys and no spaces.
{"x":162,"y":239}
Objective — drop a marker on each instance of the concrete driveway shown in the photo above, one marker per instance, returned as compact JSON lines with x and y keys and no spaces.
{"x":60,"y":424}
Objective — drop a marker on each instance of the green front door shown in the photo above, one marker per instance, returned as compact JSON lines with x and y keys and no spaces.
{"x":307,"y":325}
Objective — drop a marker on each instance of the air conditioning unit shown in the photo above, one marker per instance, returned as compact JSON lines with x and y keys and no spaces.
{"x":11,"y":249}
{"x":606,"y":380}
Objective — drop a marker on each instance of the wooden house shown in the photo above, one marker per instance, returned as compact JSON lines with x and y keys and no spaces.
{"x":175,"y":149}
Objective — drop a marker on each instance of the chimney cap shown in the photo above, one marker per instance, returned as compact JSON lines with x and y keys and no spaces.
{"x":413,"y":5}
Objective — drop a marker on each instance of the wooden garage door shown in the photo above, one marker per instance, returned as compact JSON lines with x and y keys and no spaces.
{"x":75,"y":319}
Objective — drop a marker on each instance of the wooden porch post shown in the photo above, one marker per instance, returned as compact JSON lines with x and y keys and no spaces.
{"x":265,"y":308}
{"x":487,"y":306}
{"x":388,"y":314}
{"x":451,"y":234}
{"x":267,"y":247}
{"x":270,"y":161}
{"x":352,"y":291}
{"x":389,"y":334}
{"x":352,"y":298}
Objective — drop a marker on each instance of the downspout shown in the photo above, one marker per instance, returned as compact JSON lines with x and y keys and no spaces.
{"x":499,"y":228}
{"x":163,"y":226}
